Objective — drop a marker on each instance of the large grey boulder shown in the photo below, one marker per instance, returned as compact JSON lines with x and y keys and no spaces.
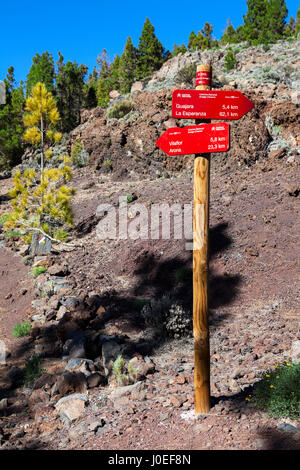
{"x":70,"y":382}
{"x":86,"y":366}
{"x":40,"y":244}
{"x":128,"y":389}
{"x":75,"y":346}
{"x":110,"y":351}
{"x":72,"y":407}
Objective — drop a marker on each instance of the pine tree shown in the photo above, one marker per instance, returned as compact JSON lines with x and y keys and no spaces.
{"x":40,"y":119}
{"x":104,"y":81}
{"x":240,"y":33}
{"x":69,"y":92}
{"x":207,"y":36}
{"x":41,"y":207}
{"x":90,"y":89}
{"x":41,"y":202}
{"x":203,"y":40}
{"x":297,"y":26}
{"x":42,"y":70}
{"x":102,"y":93}
{"x":192,"y":39}
{"x":151,"y":53}
{"x":90,"y":95}
{"x":128,"y":66}
{"x":11,"y":124}
{"x":103,"y":63}
{"x":230,"y":35}
{"x":115,"y":73}
{"x":197,"y":42}
{"x":265,"y":21}
{"x":178,"y":49}
{"x":276,"y":19}
{"x":290,"y":28}
{"x":255,"y":22}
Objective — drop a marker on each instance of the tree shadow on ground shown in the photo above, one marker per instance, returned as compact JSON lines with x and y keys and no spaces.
{"x":4,"y":198}
{"x":154,"y":278}
{"x":267,"y":437}
{"x":274,"y":439}
{"x":174,"y":276}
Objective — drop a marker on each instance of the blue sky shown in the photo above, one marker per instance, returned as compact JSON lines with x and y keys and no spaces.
{"x":81,"y":29}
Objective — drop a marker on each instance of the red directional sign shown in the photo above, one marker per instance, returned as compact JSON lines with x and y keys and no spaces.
{"x":210,"y":104}
{"x":204,"y":138}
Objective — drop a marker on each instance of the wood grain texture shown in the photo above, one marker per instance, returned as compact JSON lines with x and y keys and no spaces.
{"x":200,"y":276}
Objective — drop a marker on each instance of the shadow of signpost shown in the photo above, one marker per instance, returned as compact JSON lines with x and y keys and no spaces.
{"x":174,"y":276}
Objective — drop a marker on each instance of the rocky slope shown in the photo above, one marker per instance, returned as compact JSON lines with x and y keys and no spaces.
{"x":270,"y":79}
{"x":89,"y":306}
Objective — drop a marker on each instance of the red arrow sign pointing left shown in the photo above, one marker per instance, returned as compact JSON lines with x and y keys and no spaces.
{"x":204,"y":138}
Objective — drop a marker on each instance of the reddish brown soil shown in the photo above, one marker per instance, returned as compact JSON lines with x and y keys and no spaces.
{"x":16,"y":294}
{"x":254,"y":307}
{"x":254,"y":310}
{"x":253,"y":239}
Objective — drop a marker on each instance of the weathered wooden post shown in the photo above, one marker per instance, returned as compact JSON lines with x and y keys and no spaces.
{"x":188,"y":140}
{"x":200,"y":265}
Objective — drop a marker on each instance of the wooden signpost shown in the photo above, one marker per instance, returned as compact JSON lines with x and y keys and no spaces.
{"x":200,"y":267}
{"x":204,"y":138}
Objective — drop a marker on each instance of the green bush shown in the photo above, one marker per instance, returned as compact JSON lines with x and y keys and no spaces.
{"x":79,"y":155}
{"x":129,"y":198}
{"x":119,"y":110}
{"x":288,"y":70}
{"x":266,"y":69}
{"x":107,"y":165}
{"x":125,"y":374}
{"x":4,"y":218}
{"x":13,"y":233}
{"x":277,"y":130}
{"x":230,"y":60}
{"x":33,"y":369}
{"x":118,"y":370}
{"x":4,"y":165}
{"x":61,"y":234}
{"x":37,"y":270}
{"x":21,"y":329}
{"x":279,"y":391}
{"x":266,"y":47}
{"x":187,"y":74}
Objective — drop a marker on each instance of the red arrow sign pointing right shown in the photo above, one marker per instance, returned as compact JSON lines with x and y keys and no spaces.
{"x":210,"y":104}
{"x":204,"y":138}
